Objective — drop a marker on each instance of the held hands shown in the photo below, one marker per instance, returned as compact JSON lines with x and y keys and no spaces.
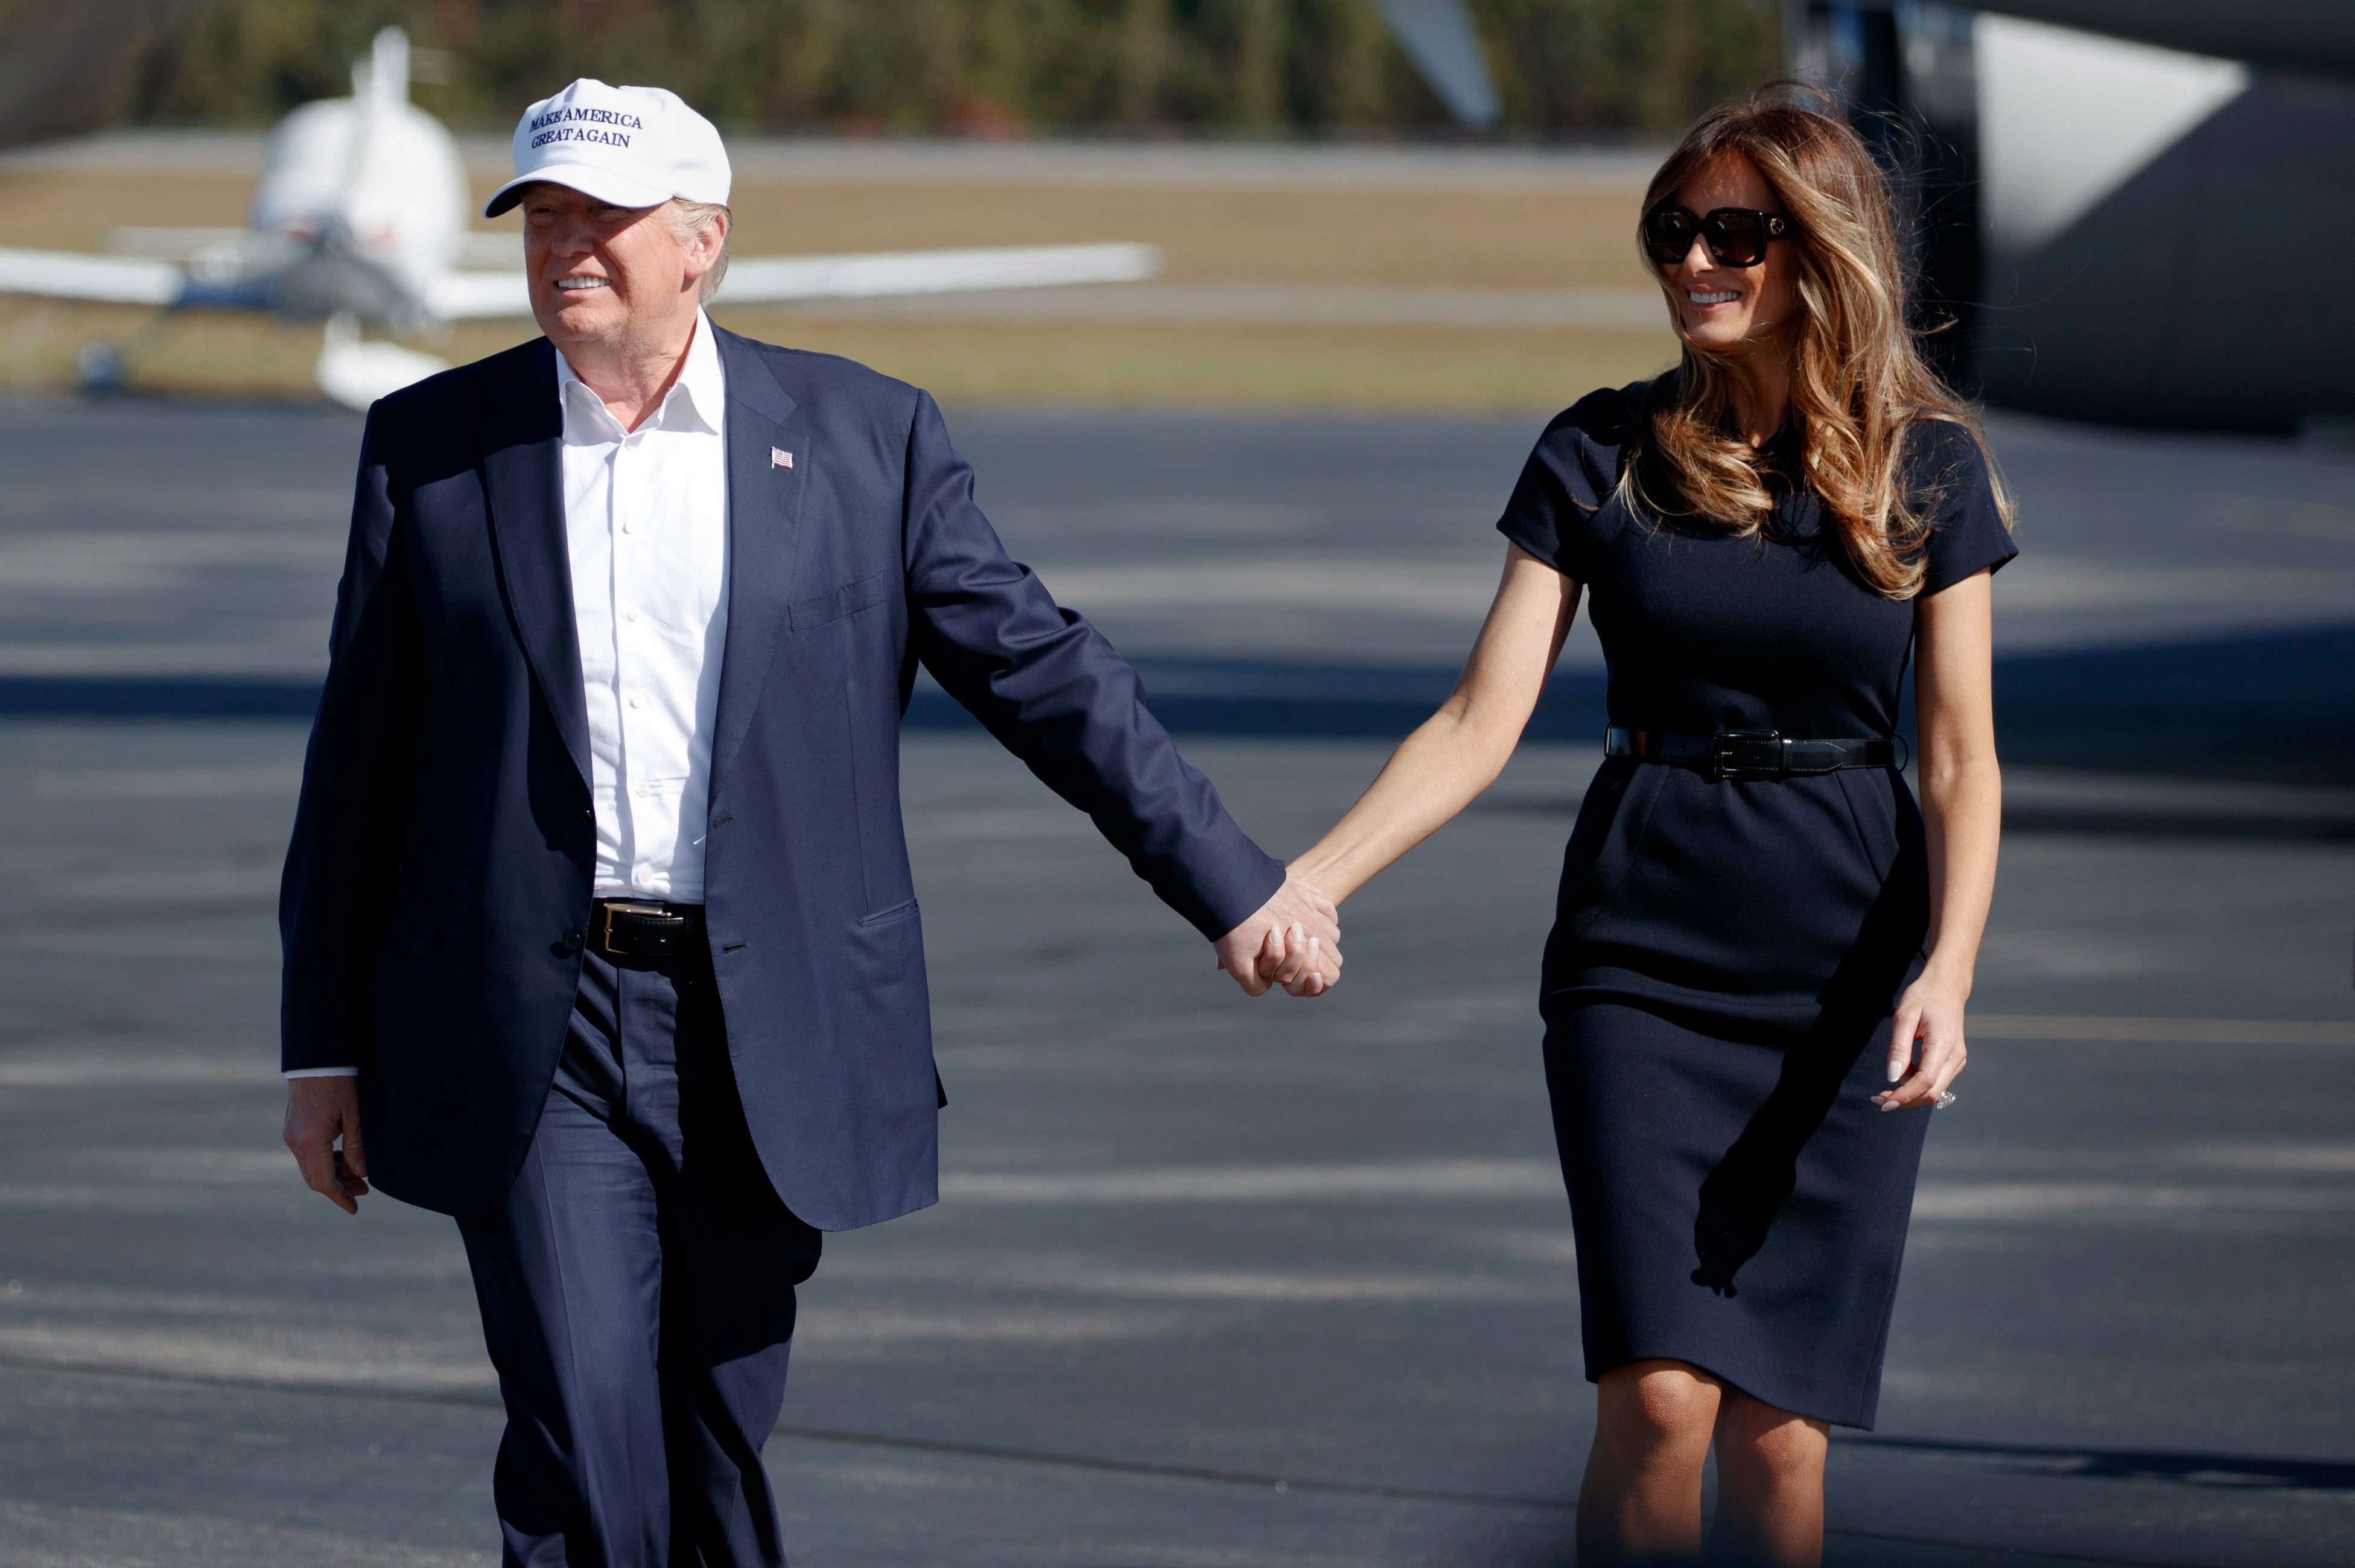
{"x":1295,"y":941}
{"x":1929,"y":1013}
{"x":318,"y":1112}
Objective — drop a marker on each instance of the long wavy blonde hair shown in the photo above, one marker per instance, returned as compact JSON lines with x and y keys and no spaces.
{"x":1858,"y":378}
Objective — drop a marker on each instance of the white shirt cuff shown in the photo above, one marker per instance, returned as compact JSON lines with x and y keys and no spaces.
{"x":323,"y":1072}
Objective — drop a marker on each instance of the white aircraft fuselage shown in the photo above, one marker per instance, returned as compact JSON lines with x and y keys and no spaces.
{"x":364,"y":201}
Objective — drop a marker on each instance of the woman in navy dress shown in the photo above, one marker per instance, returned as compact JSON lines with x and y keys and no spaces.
{"x":1754,"y":988}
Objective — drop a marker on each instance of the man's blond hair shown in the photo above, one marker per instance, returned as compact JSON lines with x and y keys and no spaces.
{"x":688,"y":219}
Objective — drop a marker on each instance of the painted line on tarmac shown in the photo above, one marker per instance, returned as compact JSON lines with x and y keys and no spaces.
{"x":483,"y":1401}
{"x":102,"y":916}
{"x":1423,"y":1178}
{"x":139,"y":1110}
{"x":1262,"y":1481}
{"x":2241,"y":1472}
{"x":2168,"y":1031}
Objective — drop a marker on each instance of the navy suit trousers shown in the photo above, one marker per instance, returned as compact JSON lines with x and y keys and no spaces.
{"x":637,"y":1293}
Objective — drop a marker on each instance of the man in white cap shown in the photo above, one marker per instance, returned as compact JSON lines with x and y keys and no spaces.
{"x":599,"y":927}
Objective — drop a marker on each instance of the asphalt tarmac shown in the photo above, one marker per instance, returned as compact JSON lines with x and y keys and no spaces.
{"x":1214,"y":1281}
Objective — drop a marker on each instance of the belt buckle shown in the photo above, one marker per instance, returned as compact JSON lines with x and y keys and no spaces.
{"x":607,"y":910}
{"x":1727,"y":761}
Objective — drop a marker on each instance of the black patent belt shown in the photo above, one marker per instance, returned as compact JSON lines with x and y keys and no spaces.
{"x":1748,"y":753}
{"x":631,"y":928}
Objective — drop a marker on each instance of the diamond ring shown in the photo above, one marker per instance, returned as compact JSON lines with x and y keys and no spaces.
{"x":1944,"y":1100}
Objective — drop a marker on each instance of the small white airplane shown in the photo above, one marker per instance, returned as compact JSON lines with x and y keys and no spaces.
{"x":362,"y":213}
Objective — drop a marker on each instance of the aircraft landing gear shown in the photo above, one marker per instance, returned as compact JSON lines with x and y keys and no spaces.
{"x":99,"y":370}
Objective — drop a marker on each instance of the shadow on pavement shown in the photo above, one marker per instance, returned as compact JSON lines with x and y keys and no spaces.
{"x":2277,"y":707}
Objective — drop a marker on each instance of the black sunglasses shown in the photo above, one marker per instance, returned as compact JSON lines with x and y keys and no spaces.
{"x":1736,"y":236}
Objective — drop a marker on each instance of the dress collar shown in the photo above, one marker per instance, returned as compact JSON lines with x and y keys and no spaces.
{"x":699,"y":399}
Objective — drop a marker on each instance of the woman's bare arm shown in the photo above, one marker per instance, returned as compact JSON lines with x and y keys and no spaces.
{"x":1442,"y":767}
{"x":1962,"y":808}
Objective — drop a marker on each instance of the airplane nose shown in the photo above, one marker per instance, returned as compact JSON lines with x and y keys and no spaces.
{"x":322,"y":285}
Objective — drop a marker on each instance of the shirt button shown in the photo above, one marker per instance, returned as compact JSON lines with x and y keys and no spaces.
{"x":640,"y":792}
{"x":637,"y":702}
{"x":631,"y":616}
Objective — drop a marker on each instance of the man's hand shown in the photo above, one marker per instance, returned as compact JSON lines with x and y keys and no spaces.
{"x":318,"y":1112}
{"x":1295,"y":941}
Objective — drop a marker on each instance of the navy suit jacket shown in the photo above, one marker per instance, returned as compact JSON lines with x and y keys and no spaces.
{"x":437,"y":889}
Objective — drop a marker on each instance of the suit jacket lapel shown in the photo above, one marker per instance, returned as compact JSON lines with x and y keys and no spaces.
{"x":764,"y":503}
{"x":523,"y":457}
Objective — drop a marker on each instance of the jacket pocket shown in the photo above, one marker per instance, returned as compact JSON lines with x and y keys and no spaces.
{"x":835,"y":604}
{"x":896,"y":913}
{"x":885,"y":1018}
{"x":415,"y":927}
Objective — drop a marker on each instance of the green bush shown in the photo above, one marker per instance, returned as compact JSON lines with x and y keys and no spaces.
{"x":1218,"y":67}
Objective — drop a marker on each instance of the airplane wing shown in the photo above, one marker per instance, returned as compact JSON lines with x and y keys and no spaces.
{"x":498,"y":248}
{"x":117,"y":279}
{"x":460,"y":296}
{"x":182,"y":244}
{"x":760,"y":278}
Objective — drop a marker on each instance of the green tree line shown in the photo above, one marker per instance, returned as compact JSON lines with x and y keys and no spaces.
{"x":1563,"y":68}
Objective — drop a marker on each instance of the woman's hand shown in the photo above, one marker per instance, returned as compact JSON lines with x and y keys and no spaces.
{"x":1300,"y":963}
{"x":1294,"y":958}
{"x":1929,"y":1015}
{"x":1293,"y":941}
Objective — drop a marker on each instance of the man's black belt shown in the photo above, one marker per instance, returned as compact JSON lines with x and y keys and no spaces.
{"x":1748,"y":753}
{"x":629,"y":928}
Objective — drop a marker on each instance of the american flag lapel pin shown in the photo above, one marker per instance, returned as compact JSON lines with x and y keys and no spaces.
{"x":780,"y":458}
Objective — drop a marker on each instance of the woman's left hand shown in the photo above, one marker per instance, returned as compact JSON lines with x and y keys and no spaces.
{"x":1930,"y":1014}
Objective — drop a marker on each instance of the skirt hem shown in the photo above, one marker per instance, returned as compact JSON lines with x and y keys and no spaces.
{"x":1860,"y":1420}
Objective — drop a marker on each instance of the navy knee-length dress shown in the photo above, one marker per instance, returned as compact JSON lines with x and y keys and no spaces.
{"x":1726,"y":955}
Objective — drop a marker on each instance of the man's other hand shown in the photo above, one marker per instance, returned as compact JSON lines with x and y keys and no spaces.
{"x":318,"y":1112}
{"x":1295,"y":941}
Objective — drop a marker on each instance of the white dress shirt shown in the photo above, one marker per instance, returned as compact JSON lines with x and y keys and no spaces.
{"x":645,"y":522}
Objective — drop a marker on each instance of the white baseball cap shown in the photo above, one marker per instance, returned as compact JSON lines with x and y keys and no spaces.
{"x":632,"y":146}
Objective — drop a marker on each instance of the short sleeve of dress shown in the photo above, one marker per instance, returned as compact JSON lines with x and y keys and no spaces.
{"x":1570,"y":474}
{"x":1967,"y":531}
